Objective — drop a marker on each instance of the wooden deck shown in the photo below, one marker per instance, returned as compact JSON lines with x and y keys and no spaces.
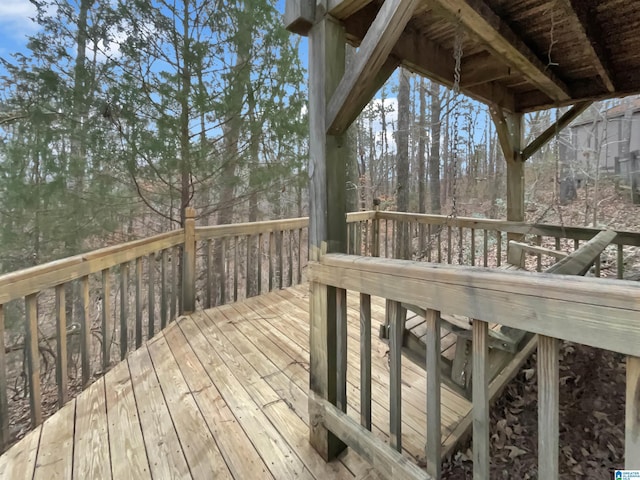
{"x":223,"y":394}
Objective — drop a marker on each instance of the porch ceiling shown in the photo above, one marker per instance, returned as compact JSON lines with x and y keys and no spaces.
{"x":522,"y":55}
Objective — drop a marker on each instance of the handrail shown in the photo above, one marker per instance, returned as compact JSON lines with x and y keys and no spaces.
{"x":590,"y":311}
{"x":522,"y":228}
{"x":19,"y":284}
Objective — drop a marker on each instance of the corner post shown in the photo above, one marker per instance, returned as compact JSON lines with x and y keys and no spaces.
{"x":189,"y":262}
{"x":327,"y":224}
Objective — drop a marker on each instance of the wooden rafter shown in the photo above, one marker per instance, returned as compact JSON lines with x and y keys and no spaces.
{"x":423,"y":56}
{"x":591,"y":38}
{"x":499,"y":38}
{"x":373,"y":53}
{"x":548,"y":134}
{"x":341,"y":9}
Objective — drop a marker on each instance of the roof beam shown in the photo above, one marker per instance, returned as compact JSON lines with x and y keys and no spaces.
{"x":591,"y":37}
{"x":479,"y":19}
{"x":569,"y":116}
{"x":374,"y":51}
{"x":341,"y":9}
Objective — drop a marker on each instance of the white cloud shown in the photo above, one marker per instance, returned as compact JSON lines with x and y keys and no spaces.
{"x":15,"y":17}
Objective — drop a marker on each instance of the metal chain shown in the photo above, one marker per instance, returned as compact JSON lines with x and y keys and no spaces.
{"x":457,"y":53}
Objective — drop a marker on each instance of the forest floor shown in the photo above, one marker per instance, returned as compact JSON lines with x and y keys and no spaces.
{"x":592,"y":381}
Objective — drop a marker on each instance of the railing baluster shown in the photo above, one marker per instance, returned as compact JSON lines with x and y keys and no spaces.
{"x":539,"y":255}
{"x":480,"y":380}
{"x":248,"y":274}
{"x":620,"y":262}
{"x":85,"y":332}
{"x":440,"y":245}
{"x":434,"y":416}
{"x":163,"y":289}
{"x":33,"y":359}
{"x":174,"y":284}
{"x":290,"y":277}
{"x":271,"y":250}
{"x":597,"y":266}
{"x":557,"y":243}
{"x":124,"y":309}
{"x":473,"y":247}
{"x":4,"y":401}
{"x":548,"y":407}
{"x":209,"y":276}
{"x":62,"y":380}
{"x":279,"y":241}
{"x":106,"y":318}
{"x":498,"y":248}
{"x":341,"y":351}
{"x":576,"y":244}
{"x":260,"y":240}
{"x":386,"y":238}
{"x":460,"y":246}
{"x":449,"y":244}
{"x":485,"y":246}
{"x":151,"y":301}
{"x":632,"y":415}
{"x":365,"y":360}
{"x":236,"y":269}
{"x":223,"y":275}
{"x":429,"y":246}
{"x":138,"y":302}
{"x":396,"y":321}
{"x":299,"y":255}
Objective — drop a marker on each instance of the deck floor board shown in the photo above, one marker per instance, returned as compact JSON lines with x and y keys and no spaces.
{"x":222,"y":393}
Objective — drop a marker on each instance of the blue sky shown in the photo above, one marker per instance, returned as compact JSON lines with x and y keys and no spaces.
{"x":15,"y":25}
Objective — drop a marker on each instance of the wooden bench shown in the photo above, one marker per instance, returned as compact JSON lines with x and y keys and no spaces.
{"x":504,"y":343}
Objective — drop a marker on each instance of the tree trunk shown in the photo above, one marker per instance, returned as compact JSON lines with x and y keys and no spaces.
{"x":434,"y":158}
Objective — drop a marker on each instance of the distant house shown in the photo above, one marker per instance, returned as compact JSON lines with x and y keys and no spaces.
{"x":596,"y":137}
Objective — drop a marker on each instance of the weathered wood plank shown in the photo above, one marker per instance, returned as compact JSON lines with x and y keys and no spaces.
{"x":85,"y":331}
{"x":124,"y":310}
{"x":240,"y":456}
{"x":434,"y":414}
{"x":197,"y":443}
{"x":365,"y":360}
{"x":389,"y":462}
{"x":341,"y":348}
{"x":283,"y":462}
{"x":19,"y":284}
{"x":106,"y":320}
{"x":90,"y":457}
{"x":160,"y":438}
{"x":151,"y":298}
{"x":33,"y":359}
{"x":173,"y":300}
{"x":590,"y":311}
{"x":163,"y":289}
{"x":62,"y":379}
{"x":299,"y":15}
{"x":55,"y":454}
{"x":632,"y":415}
{"x":138,"y":300}
{"x":4,"y":403}
{"x":580,"y":261}
{"x":208,"y":274}
{"x":396,"y":321}
{"x":548,"y":407}
{"x":20,"y":461}
{"x":481,"y":443}
{"x":126,"y":445}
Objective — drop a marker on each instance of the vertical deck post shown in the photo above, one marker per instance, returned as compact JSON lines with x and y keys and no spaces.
{"x":327,"y":223}
{"x":548,"y":406}
{"x":480,"y":401}
{"x":189,"y":262}
{"x":33,"y":359}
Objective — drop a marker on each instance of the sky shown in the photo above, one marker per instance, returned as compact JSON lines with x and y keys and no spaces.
{"x":15,"y":25}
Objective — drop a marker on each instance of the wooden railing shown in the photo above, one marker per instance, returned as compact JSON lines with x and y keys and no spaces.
{"x":589,"y":311}
{"x":482,"y":242}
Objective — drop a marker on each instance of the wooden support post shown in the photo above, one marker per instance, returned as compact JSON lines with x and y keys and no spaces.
{"x":327,"y":222}
{"x":61,"y":346}
{"x":632,"y":415}
{"x":151,"y":301}
{"x":548,"y":407}
{"x":480,"y":401}
{"x":189,"y":262}
{"x":434,"y":419}
{"x":138,"y":302}
{"x":396,"y":320}
{"x":341,"y":351}
{"x":85,"y":332}
{"x":124,"y":309}
{"x":163,"y":288}
{"x":33,"y":359}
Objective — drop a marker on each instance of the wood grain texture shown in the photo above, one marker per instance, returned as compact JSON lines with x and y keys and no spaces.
{"x":365,"y":360}
{"x":189,"y":262}
{"x":481,"y":459}
{"x":126,"y":446}
{"x":138,"y":304}
{"x":590,"y":311}
{"x":106,"y":319}
{"x":20,"y":461}
{"x":434,"y":414}
{"x":632,"y":415}
{"x":548,"y":407}
{"x":55,"y":455}
{"x":33,"y":359}
{"x":62,"y":378}
{"x":124,"y":310}
{"x":91,"y":437}
{"x":85,"y":331}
